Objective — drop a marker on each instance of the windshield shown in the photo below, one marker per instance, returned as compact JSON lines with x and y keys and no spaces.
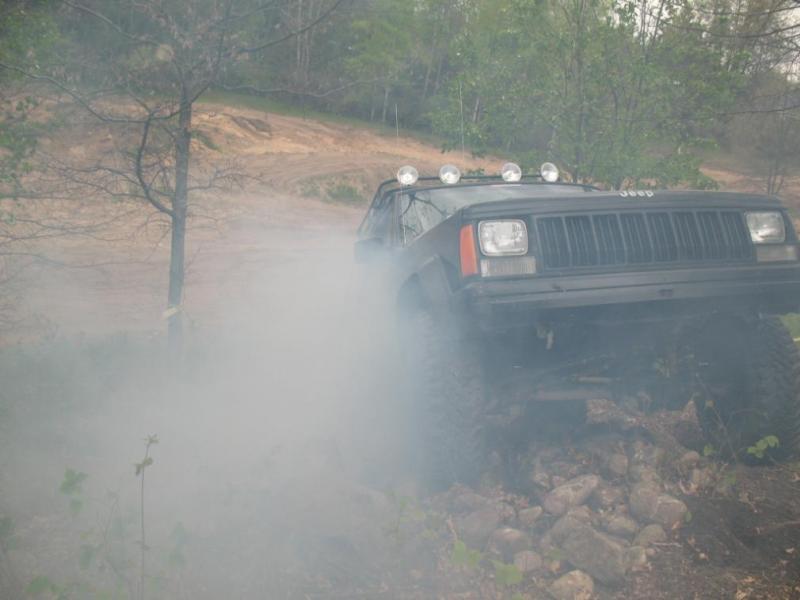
{"x":421,"y":210}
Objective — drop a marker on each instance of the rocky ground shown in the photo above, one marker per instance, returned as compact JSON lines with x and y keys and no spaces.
{"x":616,"y":507}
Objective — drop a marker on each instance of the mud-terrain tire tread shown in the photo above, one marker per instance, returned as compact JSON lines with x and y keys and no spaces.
{"x":772,"y":397}
{"x":450,"y":399}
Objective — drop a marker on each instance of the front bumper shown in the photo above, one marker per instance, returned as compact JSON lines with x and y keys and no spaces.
{"x":767,"y":288}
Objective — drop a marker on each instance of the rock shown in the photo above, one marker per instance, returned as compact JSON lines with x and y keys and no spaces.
{"x":508,"y":541}
{"x":643,"y":501}
{"x":690,"y":459}
{"x":582,"y":513}
{"x":527,"y":561}
{"x":598,"y":554}
{"x":575,"y":585}
{"x":565,"y":526}
{"x":528,"y":516}
{"x":652,"y":534}
{"x":622,"y":526}
{"x":466,"y":500}
{"x":648,"y":504}
{"x":636,"y":558}
{"x":608,"y":496}
{"x":670,"y":512}
{"x":569,"y":494}
{"x":477,"y":526}
{"x":647,"y":454}
{"x":618,"y":465}
{"x":644,"y":474}
{"x":701,"y":478}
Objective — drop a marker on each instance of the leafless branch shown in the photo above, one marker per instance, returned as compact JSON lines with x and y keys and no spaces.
{"x":322,"y":17}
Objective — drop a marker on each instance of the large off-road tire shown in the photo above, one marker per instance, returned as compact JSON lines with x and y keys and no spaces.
{"x":749,"y":376}
{"x":445,"y":376}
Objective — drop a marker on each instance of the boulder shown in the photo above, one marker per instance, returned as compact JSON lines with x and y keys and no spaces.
{"x":600,"y":555}
{"x":527,"y":517}
{"x":508,"y":541}
{"x":477,"y":526}
{"x":670,"y":512}
{"x":608,"y":496}
{"x":617,"y":465}
{"x":652,"y":534}
{"x":636,"y":558}
{"x":527,"y":561}
{"x":622,"y":526}
{"x":572,"y":493}
{"x":649,"y":505}
{"x":575,"y":585}
{"x":690,"y":459}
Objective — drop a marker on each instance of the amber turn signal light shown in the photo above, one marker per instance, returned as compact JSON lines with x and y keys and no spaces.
{"x":468,"y":253}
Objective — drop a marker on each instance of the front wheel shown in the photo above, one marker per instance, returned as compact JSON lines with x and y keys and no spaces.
{"x":749,"y":401}
{"x":445,"y":376}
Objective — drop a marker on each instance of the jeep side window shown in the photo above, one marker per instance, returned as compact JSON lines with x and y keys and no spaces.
{"x":379,"y":221}
{"x":417,"y":215}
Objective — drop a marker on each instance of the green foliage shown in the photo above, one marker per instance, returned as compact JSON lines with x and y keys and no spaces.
{"x":72,"y":484}
{"x":463,"y":556}
{"x":345,"y":193}
{"x":41,"y":585}
{"x":760,"y":448}
{"x":506,"y":574}
{"x":72,"y":487}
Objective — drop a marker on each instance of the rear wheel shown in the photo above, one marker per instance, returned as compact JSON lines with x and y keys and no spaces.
{"x":749,"y":376}
{"x":445,"y":374}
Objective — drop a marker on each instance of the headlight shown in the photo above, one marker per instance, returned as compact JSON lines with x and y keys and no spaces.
{"x":766,"y":227}
{"x":503,"y":238}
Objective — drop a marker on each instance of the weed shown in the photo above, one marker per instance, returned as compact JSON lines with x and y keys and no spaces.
{"x":345,"y":193}
{"x":140,"y":469}
{"x":761,"y":446}
{"x":463,"y":556}
{"x":406,"y":511}
{"x":8,"y":540}
{"x":205,"y":139}
{"x":506,"y":574}
{"x":72,"y":487}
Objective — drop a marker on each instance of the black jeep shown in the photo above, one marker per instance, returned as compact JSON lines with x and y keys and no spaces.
{"x":510,"y":291}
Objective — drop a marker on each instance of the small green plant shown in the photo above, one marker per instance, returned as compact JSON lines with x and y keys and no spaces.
{"x":464,"y":556}
{"x":345,"y":193}
{"x":506,"y":574}
{"x":72,"y":487}
{"x":406,"y":511}
{"x":205,"y":139}
{"x":140,"y":469}
{"x":709,"y":451}
{"x":42,"y":585}
{"x":760,"y":448}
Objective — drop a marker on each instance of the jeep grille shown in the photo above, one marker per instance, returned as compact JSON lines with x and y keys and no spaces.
{"x":642,"y":238}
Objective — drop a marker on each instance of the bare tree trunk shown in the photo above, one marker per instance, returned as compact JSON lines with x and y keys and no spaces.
{"x":180,"y":201}
{"x":385,"y":103}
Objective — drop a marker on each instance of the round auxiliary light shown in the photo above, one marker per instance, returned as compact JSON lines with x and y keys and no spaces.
{"x":511,"y":172}
{"x":549,"y":172}
{"x":407,"y":175}
{"x":449,"y":174}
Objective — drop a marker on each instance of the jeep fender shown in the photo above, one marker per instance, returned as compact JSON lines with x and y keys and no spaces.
{"x":430,"y":288}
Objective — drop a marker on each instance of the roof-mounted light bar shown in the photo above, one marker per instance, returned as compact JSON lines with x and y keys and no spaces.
{"x":511,"y":173}
{"x":549,"y":172}
{"x":407,"y":175}
{"x":449,"y":174}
